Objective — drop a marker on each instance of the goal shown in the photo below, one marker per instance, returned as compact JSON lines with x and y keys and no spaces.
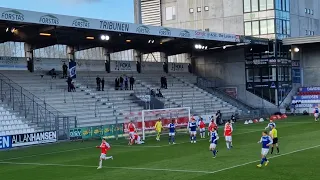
{"x":146,"y":119}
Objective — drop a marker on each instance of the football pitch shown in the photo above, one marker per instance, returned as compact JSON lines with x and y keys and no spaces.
{"x":298,"y":159}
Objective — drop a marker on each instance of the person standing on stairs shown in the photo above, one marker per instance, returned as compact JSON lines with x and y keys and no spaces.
{"x":121,"y":82}
{"x":126,"y":81}
{"x":98,"y":81}
{"x":131,"y":81}
{"x":102,"y":84}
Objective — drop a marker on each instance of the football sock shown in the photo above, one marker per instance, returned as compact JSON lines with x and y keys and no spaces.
{"x":110,"y":157}
{"x":214,"y":152}
{"x":194,"y":138}
{"x":172,"y":138}
{"x":262,"y":161}
{"x":278,"y":149}
{"x":227,"y":143}
{"x":265,"y":159}
{"x":271,"y":150}
{"x":191,"y":138}
{"x":100,"y":163}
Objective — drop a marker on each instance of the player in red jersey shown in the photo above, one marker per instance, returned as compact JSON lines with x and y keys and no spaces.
{"x":135,"y":139}
{"x":228,"y":134}
{"x":202,"y":127}
{"x":104,"y":146}
{"x":212,"y":126}
{"x":132,"y":129}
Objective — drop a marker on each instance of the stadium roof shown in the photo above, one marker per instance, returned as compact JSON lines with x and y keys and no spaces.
{"x":74,"y":31}
{"x":301,"y":40}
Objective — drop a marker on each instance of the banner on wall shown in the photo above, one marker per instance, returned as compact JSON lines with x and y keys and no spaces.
{"x":34,"y":138}
{"x":108,"y":131}
{"x":123,"y":66}
{"x":24,"y":16}
{"x":309,"y":89}
{"x":151,"y":66}
{"x":90,"y":65}
{"x":13,"y":63}
{"x":306,"y":97}
{"x":73,"y":69}
{"x":46,"y":64}
{"x":178,"y":67}
{"x":5,"y":142}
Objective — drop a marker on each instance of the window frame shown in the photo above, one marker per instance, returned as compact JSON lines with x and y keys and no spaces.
{"x":250,"y":23}
{"x":206,"y":8}
{"x":245,"y":5}
{"x":191,"y":10}
{"x":258,"y":28}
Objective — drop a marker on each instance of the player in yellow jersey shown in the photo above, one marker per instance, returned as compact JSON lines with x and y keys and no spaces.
{"x":274,"y":135}
{"x":158,"y":128}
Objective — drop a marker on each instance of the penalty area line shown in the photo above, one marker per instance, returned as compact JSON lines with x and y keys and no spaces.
{"x":156,"y":169}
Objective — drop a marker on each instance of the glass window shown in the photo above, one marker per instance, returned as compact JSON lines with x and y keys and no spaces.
{"x":270,"y":4}
{"x":198,"y":9}
{"x":279,"y":26}
{"x":263,"y":5}
{"x":270,"y":25}
{"x":312,"y":12}
{"x":206,"y":8}
{"x":247,"y":5}
{"x":263,"y":27}
{"x":247,"y":28}
{"x":255,"y":28}
{"x":287,"y":5}
{"x":284,"y":27}
{"x":305,"y":10}
{"x":254,"y":5}
{"x":278,"y":4}
{"x":191,"y":10}
{"x":256,"y":74}
{"x":306,"y":32}
{"x":288,"y":28}
{"x":170,"y":13}
{"x":249,"y":75}
{"x":283,"y":6}
{"x":308,"y":11}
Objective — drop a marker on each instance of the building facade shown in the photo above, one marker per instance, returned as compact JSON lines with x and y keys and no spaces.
{"x":260,"y":18}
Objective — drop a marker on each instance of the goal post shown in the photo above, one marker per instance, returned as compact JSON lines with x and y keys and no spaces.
{"x":150,"y":117}
{"x":145,"y":120}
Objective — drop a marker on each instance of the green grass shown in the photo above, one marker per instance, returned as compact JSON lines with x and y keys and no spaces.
{"x":299,"y":159}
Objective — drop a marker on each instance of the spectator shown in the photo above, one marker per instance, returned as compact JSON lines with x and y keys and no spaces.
{"x":152,"y":93}
{"x":131,"y":82}
{"x":53,"y":73}
{"x":69,"y":81}
{"x":219,"y":117}
{"x":233,"y":118}
{"x":159,"y":94}
{"x":72,"y":87}
{"x":98,"y":81}
{"x":126,"y":87}
{"x":165,"y":82}
{"x":64,"y":70}
{"x":162,"y":82}
{"x":102,"y":84}
{"x":116,"y":83}
{"x":121,"y":82}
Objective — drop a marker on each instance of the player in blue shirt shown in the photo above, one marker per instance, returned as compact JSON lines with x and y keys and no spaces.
{"x":270,"y":125}
{"x":213,"y":142}
{"x":193,"y":130}
{"x":172,"y":131}
{"x":266,"y":142}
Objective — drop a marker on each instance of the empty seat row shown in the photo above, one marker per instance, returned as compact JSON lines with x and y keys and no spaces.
{"x":7,"y":117}
{"x":10,"y":122}
{"x":18,"y":131}
{"x":13,"y":127}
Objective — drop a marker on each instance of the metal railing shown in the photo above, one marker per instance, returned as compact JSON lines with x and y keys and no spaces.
{"x":33,"y":109}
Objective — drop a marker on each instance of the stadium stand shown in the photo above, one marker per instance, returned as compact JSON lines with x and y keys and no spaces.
{"x":10,"y":123}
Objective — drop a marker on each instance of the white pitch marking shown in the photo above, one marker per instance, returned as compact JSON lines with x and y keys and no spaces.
{"x":155,"y":169}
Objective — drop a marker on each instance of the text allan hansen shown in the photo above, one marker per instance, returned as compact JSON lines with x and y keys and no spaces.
{"x":34,"y":138}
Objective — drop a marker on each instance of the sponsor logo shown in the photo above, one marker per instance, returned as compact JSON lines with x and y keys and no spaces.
{"x":34,"y":138}
{"x":123,"y":66}
{"x":313,"y":89}
{"x":75,"y":134}
{"x":165,"y":32}
{"x":177,"y":67}
{"x":212,"y":35}
{"x":200,"y":33}
{"x":49,"y":19}
{"x":81,"y":23}
{"x":185,"y":34}
{"x":12,"y":15}
{"x":143,"y":30}
{"x":5,"y":142}
{"x":237,"y":38}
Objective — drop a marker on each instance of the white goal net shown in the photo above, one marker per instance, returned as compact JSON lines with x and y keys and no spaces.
{"x":145,"y":120}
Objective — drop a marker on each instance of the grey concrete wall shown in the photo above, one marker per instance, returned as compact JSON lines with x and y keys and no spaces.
{"x":223,"y":16}
{"x":310,"y":62}
{"x":229,"y":66}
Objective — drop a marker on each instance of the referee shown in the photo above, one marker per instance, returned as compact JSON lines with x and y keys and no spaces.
{"x":274,"y":135}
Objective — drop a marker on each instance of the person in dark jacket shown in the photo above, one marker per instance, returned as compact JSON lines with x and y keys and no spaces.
{"x":121,"y":82}
{"x":64,"y":70}
{"x":219,"y":117}
{"x":102,"y":84}
{"x":98,"y":81}
{"x":131,"y":82}
{"x":69,"y":81}
{"x":116,"y":84}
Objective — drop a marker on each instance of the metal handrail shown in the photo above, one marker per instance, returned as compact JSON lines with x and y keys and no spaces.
{"x":34,"y":97}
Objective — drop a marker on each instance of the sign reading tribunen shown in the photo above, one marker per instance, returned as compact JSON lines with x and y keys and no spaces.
{"x":87,"y":23}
